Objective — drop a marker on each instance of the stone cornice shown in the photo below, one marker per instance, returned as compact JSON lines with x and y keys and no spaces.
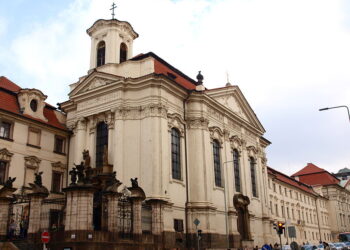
{"x":112,"y":23}
{"x":220,"y":113}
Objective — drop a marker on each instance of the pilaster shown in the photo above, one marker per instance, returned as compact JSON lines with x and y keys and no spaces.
{"x":36,"y":200}
{"x":79,"y":208}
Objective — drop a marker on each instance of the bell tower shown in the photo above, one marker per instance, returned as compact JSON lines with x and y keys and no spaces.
{"x":111,"y":42}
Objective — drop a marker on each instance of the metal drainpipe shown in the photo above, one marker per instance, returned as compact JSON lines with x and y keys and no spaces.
{"x":186,"y":168}
{"x":67,"y":171}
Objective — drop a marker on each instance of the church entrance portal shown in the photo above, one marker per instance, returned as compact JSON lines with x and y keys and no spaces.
{"x":241,"y":203}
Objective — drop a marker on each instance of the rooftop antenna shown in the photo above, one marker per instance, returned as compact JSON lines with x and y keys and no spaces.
{"x":112,"y":9}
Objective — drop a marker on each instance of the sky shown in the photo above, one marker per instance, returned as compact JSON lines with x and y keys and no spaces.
{"x":289,"y":58}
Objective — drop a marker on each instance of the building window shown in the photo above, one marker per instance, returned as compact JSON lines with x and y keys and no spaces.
{"x":101,"y":142}
{"x":282,"y":211}
{"x":3,"y":171}
{"x":5,"y":130}
{"x":56,"y":184}
{"x":217,"y":163}
{"x":175,"y":154}
{"x":101,"y":51}
{"x":276,"y":209}
{"x":253,"y":177}
{"x":34,"y":137}
{"x":123,"y":52}
{"x":59,"y":145}
{"x":34,"y":105}
{"x":274,"y":187}
{"x":178,"y":225}
{"x":236,"y":170}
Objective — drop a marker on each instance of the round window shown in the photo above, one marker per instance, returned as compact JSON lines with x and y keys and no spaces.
{"x":34,"y":105}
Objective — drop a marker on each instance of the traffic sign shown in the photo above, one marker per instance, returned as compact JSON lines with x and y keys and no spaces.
{"x":196,"y":222}
{"x":45,"y":237}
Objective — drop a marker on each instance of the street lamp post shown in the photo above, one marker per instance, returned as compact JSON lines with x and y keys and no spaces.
{"x":342,"y":106}
{"x":226,"y":213}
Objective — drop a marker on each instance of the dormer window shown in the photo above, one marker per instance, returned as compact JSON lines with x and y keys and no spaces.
{"x":123,"y":52}
{"x":34,"y":105}
{"x":101,"y":51}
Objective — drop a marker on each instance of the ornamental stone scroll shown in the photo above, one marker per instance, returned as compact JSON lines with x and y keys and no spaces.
{"x":216,"y":134}
{"x":5,"y":155}
{"x":236,"y":143}
{"x":197,"y":123}
{"x":176,"y":121}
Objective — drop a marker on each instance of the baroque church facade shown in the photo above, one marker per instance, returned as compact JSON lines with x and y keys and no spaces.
{"x":195,"y":156}
{"x":197,"y":152}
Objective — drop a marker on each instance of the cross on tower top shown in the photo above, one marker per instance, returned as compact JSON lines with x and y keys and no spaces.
{"x":112,"y":9}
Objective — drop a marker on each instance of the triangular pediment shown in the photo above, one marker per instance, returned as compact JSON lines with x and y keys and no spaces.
{"x":233,"y":99}
{"x":94,"y":81}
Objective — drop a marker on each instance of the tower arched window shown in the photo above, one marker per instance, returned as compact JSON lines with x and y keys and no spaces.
{"x":101,"y":142}
{"x":217,"y":163}
{"x":175,"y":154}
{"x":123,"y":52}
{"x":101,"y":53}
{"x":253,"y":176}
{"x":236,"y":170}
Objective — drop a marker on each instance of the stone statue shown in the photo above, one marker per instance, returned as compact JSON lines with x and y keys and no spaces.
{"x":134,"y":182}
{"x":105,"y":155}
{"x":73,"y":173}
{"x":38,"y":179}
{"x":88,"y":174}
{"x":80,"y":171}
{"x":9,"y":182}
{"x":86,"y":158}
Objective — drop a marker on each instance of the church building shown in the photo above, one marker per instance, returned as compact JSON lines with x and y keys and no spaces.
{"x":142,"y":156}
{"x":198,"y":153}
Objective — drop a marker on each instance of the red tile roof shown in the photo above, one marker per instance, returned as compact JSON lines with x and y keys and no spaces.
{"x":9,"y":103}
{"x":164,"y":68}
{"x":309,"y":169}
{"x":289,"y":180}
{"x":313,"y":175}
{"x":7,"y":84}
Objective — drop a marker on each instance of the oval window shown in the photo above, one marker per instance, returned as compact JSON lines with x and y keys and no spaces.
{"x":34,"y":105}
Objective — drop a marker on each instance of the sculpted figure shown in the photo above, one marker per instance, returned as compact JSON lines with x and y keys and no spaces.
{"x":73,"y":173}
{"x":80,"y":171}
{"x":9,"y":182}
{"x":88,"y":174}
{"x":38,"y":179}
{"x":86,"y":158}
{"x":134,"y":182}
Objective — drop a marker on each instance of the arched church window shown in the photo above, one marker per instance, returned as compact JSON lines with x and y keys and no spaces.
{"x":123,"y":52}
{"x":253,"y":176}
{"x":217,"y":163}
{"x":236,"y":170}
{"x":175,"y":154}
{"x":101,"y":142}
{"x":101,"y":51}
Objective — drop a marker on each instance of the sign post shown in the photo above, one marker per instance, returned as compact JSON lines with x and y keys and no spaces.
{"x":196,"y":222}
{"x":45,"y":238}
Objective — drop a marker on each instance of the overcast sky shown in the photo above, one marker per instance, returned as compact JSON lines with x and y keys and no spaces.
{"x":289,"y":58}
